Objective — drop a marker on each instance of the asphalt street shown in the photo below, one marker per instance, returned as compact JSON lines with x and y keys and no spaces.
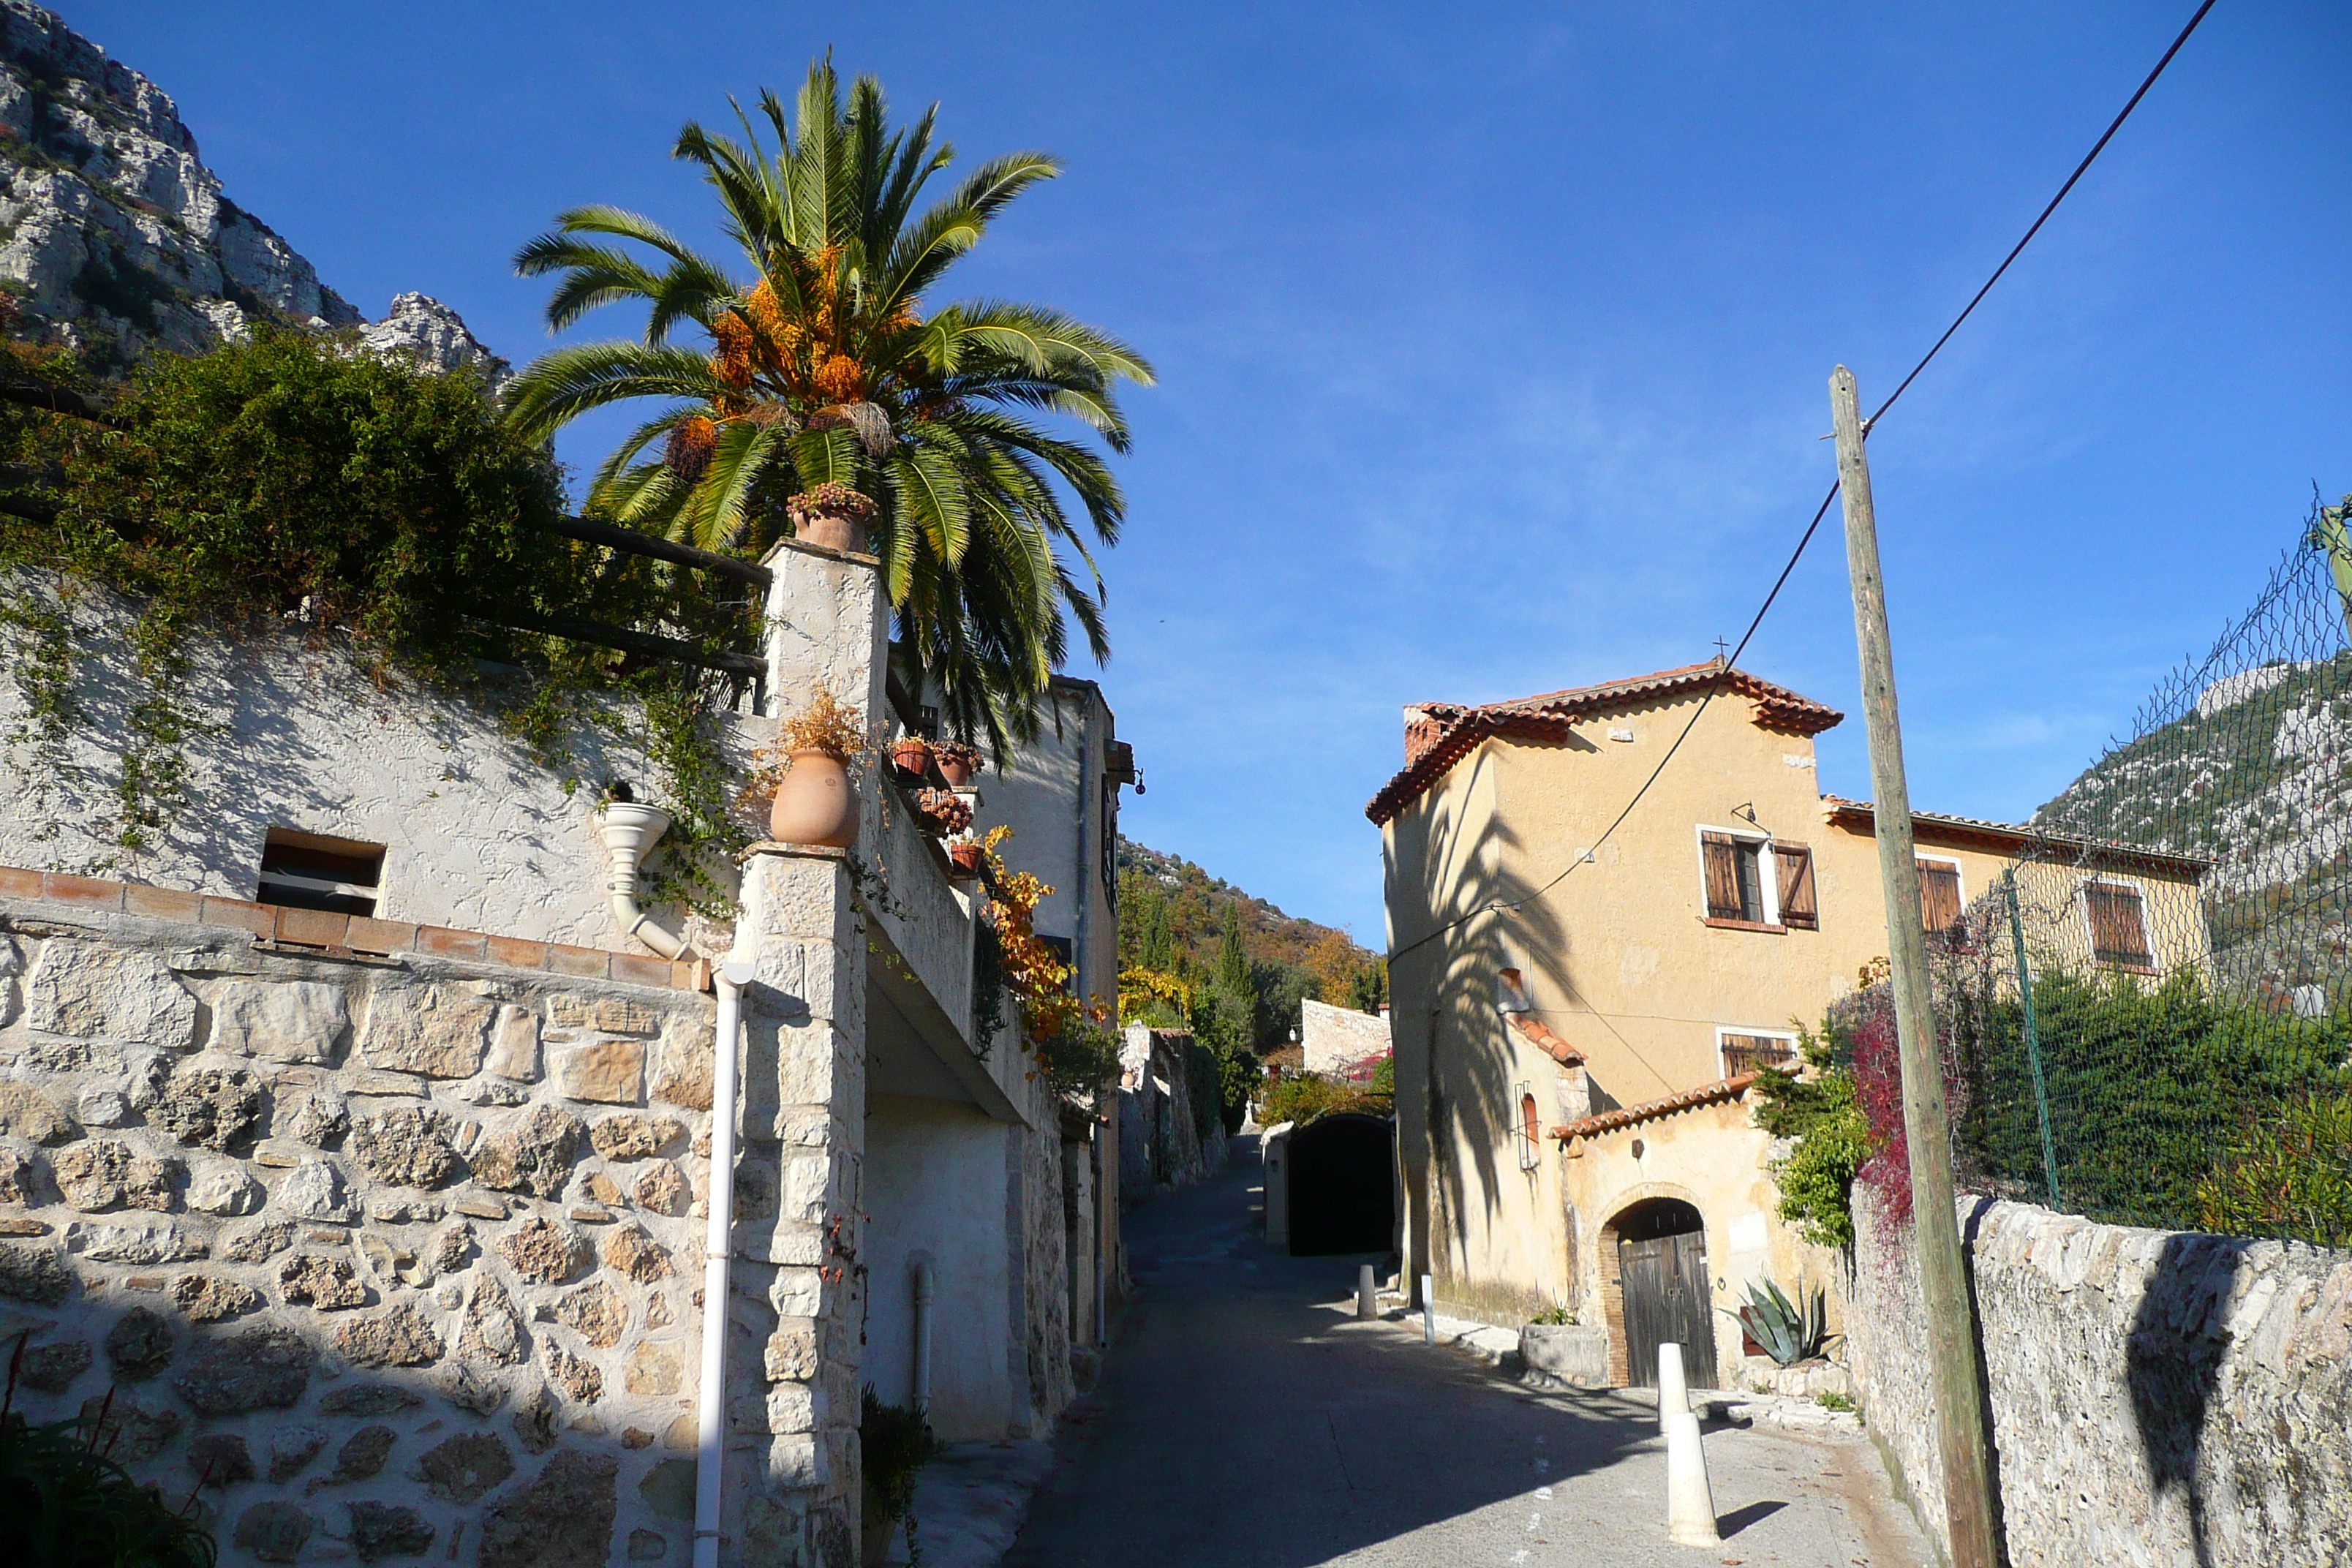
{"x":1246,"y":1419}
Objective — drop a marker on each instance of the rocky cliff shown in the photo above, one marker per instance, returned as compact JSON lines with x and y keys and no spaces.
{"x":2245,"y":759}
{"x":116,"y":240}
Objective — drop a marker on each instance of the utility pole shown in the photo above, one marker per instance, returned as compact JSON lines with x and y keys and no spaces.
{"x":1926,"y":1120}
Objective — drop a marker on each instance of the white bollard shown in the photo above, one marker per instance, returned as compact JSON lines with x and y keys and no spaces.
{"x":1428,"y":1311}
{"x":1368,"y":1300}
{"x":1690,"y":1502}
{"x":1674,"y":1394}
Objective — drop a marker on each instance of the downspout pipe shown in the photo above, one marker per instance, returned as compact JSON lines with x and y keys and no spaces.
{"x":926,"y":1291}
{"x":717,"y":1258}
{"x":629,"y":830}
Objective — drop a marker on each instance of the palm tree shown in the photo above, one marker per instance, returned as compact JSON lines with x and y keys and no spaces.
{"x":825,"y":368}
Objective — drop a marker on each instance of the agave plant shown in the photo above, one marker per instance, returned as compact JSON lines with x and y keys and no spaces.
{"x":827,"y":363}
{"x":1787,"y":1333}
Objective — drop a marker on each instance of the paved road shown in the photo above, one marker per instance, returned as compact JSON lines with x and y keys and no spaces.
{"x":1247,"y":1420}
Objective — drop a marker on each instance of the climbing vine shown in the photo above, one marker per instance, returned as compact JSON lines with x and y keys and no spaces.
{"x":292,"y":485}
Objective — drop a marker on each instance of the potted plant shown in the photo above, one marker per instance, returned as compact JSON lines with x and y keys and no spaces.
{"x":895,"y":1442}
{"x":958,"y":762}
{"x":1558,"y":1351}
{"x":943,"y":812}
{"x":831,"y":515}
{"x":967,"y":856}
{"x":816,"y":802}
{"x":911,"y":755}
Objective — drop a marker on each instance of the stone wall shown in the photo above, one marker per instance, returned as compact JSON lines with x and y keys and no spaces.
{"x":1159,"y":1143}
{"x":2158,"y":1397}
{"x":1333,"y":1039}
{"x":392,"y":1255}
{"x":477,"y":834}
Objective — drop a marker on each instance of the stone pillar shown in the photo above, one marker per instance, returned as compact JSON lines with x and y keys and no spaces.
{"x":828,"y":624}
{"x":793,"y":1477}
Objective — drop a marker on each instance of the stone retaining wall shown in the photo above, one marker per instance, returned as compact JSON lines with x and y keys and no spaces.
{"x":394,"y":1255}
{"x":2158,"y":1397}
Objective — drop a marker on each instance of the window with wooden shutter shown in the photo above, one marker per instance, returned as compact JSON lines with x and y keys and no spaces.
{"x":1939,"y":895}
{"x":1745,"y":1053}
{"x":2118,"y":933}
{"x":1722,"y":855}
{"x":1799,"y":905}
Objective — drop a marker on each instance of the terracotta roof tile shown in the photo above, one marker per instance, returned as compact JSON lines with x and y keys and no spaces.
{"x":1652,"y":1109}
{"x":1545,"y":1039}
{"x":1439,"y":734}
{"x":2009,"y":838}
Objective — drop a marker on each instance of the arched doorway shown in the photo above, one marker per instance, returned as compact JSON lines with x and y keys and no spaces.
{"x":1662,"y":1292}
{"x":1343,"y":1187}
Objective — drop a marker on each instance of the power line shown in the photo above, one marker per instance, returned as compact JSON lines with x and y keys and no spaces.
{"x":1822,"y":511}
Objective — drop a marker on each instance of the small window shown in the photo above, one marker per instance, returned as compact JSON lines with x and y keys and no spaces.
{"x":2118,"y":931}
{"x":311,"y":871}
{"x":1799,"y":906}
{"x":1530,"y":1130}
{"x":1735,"y":878}
{"x":1939,"y":895}
{"x":1060,"y":948}
{"x":1745,"y":1053}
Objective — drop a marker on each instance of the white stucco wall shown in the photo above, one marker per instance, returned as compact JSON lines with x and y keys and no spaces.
{"x":478,"y":835}
{"x":1334,"y":1038}
{"x":1050,"y":794}
{"x":935,"y":1181}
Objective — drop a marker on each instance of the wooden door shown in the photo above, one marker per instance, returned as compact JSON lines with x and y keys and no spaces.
{"x":1667,"y":1301}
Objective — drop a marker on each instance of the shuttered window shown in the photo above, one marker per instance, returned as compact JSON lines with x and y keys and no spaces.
{"x":1722,"y":854}
{"x":2118,"y":934}
{"x":1735,"y":884}
{"x":1939,"y":895}
{"x":1745,"y":1053}
{"x":1799,"y":905}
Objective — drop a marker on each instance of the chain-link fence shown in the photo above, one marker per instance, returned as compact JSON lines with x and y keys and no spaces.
{"x":2151,"y":1013}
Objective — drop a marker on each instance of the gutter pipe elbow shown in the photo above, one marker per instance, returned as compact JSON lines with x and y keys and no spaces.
{"x":629,"y":830}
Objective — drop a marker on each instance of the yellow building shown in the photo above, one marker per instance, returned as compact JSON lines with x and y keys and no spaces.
{"x":1578,"y":1013}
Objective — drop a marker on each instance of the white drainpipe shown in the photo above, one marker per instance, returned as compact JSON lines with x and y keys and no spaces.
{"x":926,"y":1288}
{"x":718,"y":1255}
{"x":629,"y":830}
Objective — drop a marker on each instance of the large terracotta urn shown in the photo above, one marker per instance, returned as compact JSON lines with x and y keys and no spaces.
{"x":816,"y":803}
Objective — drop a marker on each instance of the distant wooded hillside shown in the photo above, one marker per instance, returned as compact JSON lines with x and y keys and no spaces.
{"x":1172,"y":917}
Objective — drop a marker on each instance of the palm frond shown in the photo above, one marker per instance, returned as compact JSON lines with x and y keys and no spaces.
{"x":566,"y":382}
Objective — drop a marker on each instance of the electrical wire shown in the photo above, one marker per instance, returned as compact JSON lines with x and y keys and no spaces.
{"x":1732,"y":659}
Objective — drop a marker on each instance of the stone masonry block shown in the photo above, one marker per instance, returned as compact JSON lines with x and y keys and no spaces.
{"x":285,"y":1021}
{"x":797,"y":1293}
{"x":86,"y":989}
{"x":790,"y":1355}
{"x":610,"y":1072}
{"x":797,"y":1461}
{"x":792,"y":1407}
{"x":436,"y":1031}
{"x":807,"y":1189}
{"x":793,"y":896}
{"x":514,"y":1046}
{"x":682,"y":1063}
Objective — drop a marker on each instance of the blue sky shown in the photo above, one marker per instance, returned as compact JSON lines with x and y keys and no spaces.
{"x":1493,"y":341}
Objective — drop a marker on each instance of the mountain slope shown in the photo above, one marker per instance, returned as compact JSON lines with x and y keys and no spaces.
{"x":116,"y":240}
{"x":1196,"y":904}
{"x":2245,"y":759}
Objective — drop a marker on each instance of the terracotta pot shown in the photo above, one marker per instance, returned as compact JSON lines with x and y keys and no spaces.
{"x":816,"y":803}
{"x":880,"y":1531}
{"x":966,"y":857}
{"x":911,"y":756}
{"x":956,"y":770}
{"x":832,"y":531}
